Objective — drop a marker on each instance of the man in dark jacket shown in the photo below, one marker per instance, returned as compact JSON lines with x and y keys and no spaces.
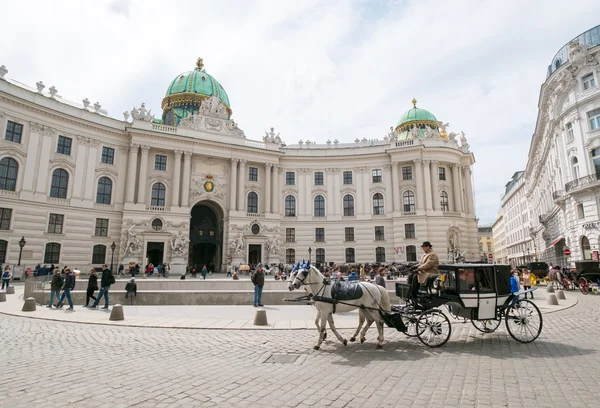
{"x":105,"y":282}
{"x":67,"y":287}
{"x":258,"y":279}
{"x":91,"y":287}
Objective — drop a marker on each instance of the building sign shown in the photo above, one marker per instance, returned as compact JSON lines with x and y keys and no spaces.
{"x":591,"y":225}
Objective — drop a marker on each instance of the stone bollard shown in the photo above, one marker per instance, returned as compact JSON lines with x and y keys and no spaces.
{"x":10,"y":290}
{"x":117,"y":313}
{"x":550,"y":289}
{"x":29,"y":305}
{"x":2,"y":297}
{"x":560,"y":294}
{"x":260,"y":318}
{"x":552,"y":300}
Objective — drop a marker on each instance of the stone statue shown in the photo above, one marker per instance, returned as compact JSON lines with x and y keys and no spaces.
{"x":453,"y":240}
{"x":463,"y":140}
{"x":142,"y":114}
{"x":452,"y":136}
{"x":429,"y":134}
{"x":133,"y":245}
{"x":179,"y":244}
{"x":415,"y":133}
{"x":271,"y":137}
{"x":391,"y":135}
{"x":577,"y":52}
{"x":272,"y":246}
{"x":238,"y":246}
{"x":213,"y":107}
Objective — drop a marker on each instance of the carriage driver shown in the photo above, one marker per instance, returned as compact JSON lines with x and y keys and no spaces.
{"x":427,"y":266}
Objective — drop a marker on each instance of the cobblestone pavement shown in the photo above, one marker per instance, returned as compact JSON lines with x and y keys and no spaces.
{"x":51,"y":364}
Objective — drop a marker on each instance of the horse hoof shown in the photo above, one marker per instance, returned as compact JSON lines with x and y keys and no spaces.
{"x":324,"y":336}
{"x":379,"y":346}
{"x":345,"y":342}
{"x":353,"y":339}
{"x":316,"y":347}
{"x":362,"y":340}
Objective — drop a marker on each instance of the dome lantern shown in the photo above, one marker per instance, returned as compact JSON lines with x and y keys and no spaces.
{"x":415,"y":118}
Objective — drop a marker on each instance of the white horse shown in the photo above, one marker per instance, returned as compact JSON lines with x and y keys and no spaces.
{"x":374,"y":298}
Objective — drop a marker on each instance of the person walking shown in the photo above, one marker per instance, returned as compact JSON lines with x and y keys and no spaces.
{"x":6,"y":276}
{"x":204,"y":271}
{"x":131,"y":291}
{"x":121,"y":270}
{"x":380,"y":278}
{"x":55,"y":285}
{"x":106,"y":280}
{"x":67,"y":287}
{"x":526,"y":276}
{"x":258,"y":279}
{"x":91,"y":287}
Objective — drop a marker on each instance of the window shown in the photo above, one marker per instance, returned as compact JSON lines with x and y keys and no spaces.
{"x":570,"y":134}
{"x":101,"y":227}
{"x":350,"y":255}
{"x":52,"y":253}
{"x":290,"y":178}
{"x":8,"y":174}
{"x":60,"y":183}
{"x":14,"y":131}
{"x":409,"y":201}
{"x":318,"y":178}
{"x":159,"y":191}
{"x":3,"y":247}
{"x":409,"y":231}
{"x":348,"y":205}
{"x":442,"y":173}
{"x":108,"y":155}
{"x":380,"y":254}
{"x":290,"y":235}
{"x":588,"y":81}
{"x":160,"y":162}
{"x":320,"y":256}
{"x":585,"y":248}
{"x":252,"y":202}
{"x":580,"y":212}
{"x":594,"y":117}
{"x":319,"y":206}
{"x":349,"y":234}
{"x":379,"y":234}
{"x":252,"y":173}
{"x":104,"y":192}
{"x":255,"y":229}
{"x":347,"y":177}
{"x":575,"y":168}
{"x":290,"y":206}
{"x":411,"y":253}
{"x":290,"y":256}
{"x":407,"y":173}
{"x":378,"y":204}
{"x":99,"y":254}
{"x":444,"y":201}
{"x":5,"y":216}
{"x":55,"y":223}
{"x":489,"y":248}
{"x":64,"y":145}
{"x":377,"y":176}
{"x":157,"y":224}
{"x":319,"y":234}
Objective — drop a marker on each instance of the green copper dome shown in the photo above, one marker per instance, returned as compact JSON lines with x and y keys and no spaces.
{"x":416,"y":116}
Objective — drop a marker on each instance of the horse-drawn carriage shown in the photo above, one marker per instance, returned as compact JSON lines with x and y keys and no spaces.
{"x":586,"y":273}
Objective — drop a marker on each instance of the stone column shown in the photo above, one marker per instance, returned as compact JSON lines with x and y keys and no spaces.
{"x":395,"y":190}
{"x":187,"y":179}
{"x":276,"y":189}
{"x":143,"y":176}
{"x":268,"y":188}
{"x":131,"y":172}
{"x":232,"y":184}
{"x":420,"y":185}
{"x":469,"y":198}
{"x":241,"y":186}
{"x":387,"y":181}
{"x":435,"y":185}
{"x":331,"y":192}
{"x":177,"y":178}
{"x":456,"y":187}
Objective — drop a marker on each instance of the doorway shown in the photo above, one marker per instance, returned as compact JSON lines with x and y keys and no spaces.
{"x":254,"y":254}
{"x":204,"y":253}
{"x":155,"y":252}
{"x":206,"y":236}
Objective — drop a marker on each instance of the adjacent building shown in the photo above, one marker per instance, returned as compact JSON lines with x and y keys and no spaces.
{"x":486,"y":244}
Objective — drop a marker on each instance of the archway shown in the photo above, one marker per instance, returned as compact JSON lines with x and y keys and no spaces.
{"x":206,"y":236}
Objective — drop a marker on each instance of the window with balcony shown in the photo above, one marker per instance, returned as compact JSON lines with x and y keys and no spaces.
{"x":252,"y":203}
{"x":9,"y":169}
{"x":290,"y":235}
{"x":290,"y":206}
{"x":64,"y":145}
{"x":252,"y":174}
{"x":588,"y":82}
{"x":380,"y":254}
{"x":348,"y":205}
{"x":569,"y":130}
{"x":377,"y":176}
{"x":101,"y":229}
{"x":290,"y":178}
{"x":350,"y":258}
{"x":594,"y":118}
{"x":5,"y":217}
{"x":318,"y":178}
{"x":319,"y":234}
{"x":409,"y":231}
{"x":160,"y":162}
{"x":407,"y":173}
{"x":379,"y":234}
{"x":14,"y":131}
{"x":55,"y":223}
{"x":409,"y":201}
{"x":378,"y":204}
{"x":319,"y":205}
{"x":347,"y":177}
{"x":349,"y":234}
{"x":290,"y":256}
{"x":159,"y":192}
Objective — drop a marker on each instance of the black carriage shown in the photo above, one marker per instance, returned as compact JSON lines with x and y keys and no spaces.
{"x":586,"y":274}
{"x":538,"y":269}
{"x":480,"y":293}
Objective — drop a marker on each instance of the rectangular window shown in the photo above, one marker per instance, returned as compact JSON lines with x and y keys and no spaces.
{"x":407,"y":173}
{"x":489,"y":247}
{"x":52,"y":253}
{"x":64,"y":145}
{"x":290,"y":235}
{"x":108,"y":155}
{"x":349,"y":234}
{"x":347,"y":177}
{"x":290,"y":178}
{"x":14,"y":131}
{"x":570,"y":134}
{"x":442,"y":173}
{"x":588,"y":82}
{"x":252,"y":174}
{"x":99,"y":254}
{"x":380,"y":254}
{"x":318,"y":178}
{"x":160,"y":162}
{"x":594,"y":117}
{"x":379,"y":234}
{"x":350,"y":255}
{"x":5,"y":215}
{"x":377,"y":177}
{"x":409,"y":231}
{"x":55,"y":224}
{"x":319,"y":234}
{"x":101,"y":227}
{"x":580,"y":212}
{"x":320,"y":256}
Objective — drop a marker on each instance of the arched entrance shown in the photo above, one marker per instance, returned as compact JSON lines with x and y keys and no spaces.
{"x":206,"y":236}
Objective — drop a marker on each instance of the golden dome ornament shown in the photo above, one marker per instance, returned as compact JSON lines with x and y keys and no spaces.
{"x":209,"y":186}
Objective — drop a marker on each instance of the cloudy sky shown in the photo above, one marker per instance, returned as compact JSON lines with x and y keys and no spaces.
{"x":313,"y":69}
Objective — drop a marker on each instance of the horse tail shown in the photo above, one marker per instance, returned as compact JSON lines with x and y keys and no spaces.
{"x":385,"y":298}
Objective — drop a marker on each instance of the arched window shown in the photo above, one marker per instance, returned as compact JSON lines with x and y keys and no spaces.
{"x":380,"y":254}
{"x":444,"y":201}
{"x":290,"y":206}
{"x":557,"y":64}
{"x":60,"y":183}
{"x":52,"y":253}
{"x":348,"y":205}
{"x":99,"y":254}
{"x":8,"y":174}
{"x":3,"y":246}
{"x":319,"y":206}
{"x":409,"y":201}
{"x":320,"y":256}
{"x":252,"y":202}
{"x":585,"y":248}
{"x":378,"y":204}
{"x":290,"y":256}
{"x":350,"y":258}
{"x":159,"y":192}
{"x":411,"y":253}
{"x":104,"y":192}
{"x":575,"y":163}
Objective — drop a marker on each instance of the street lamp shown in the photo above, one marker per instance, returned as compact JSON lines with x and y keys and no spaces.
{"x":112,"y":256}
{"x":22,"y":243}
{"x":309,"y":252}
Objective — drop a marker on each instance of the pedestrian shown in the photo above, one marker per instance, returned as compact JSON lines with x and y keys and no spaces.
{"x":55,"y":286}
{"x":353,"y":276}
{"x":43,"y":274}
{"x":526,"y":275}
{"x":258,"y":279}
{"x":380,"y":278}
{"x":91,"y":287}
{"x":131,"y":291}
{"x":204,"y":271}
{"x":68,"y":286}
{"x":229,"y":270}
{"x":121,"y":270}
{"x":106,"y":280}
{"x":6,"y":275}
{"x":193,"y":272}
{"x":340,"y":276}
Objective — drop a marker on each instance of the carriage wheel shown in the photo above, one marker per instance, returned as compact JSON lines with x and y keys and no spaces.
{"x":411,"y":324}
{"x":524,"y":321}
{"x":433,"y":328}
{"x":486,"y":326}
{"x":566,"y":282}
{"x":584,"y":286}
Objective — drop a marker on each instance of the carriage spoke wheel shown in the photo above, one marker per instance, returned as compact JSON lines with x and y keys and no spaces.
{"x":486,"y":326}
{"x":433,"y":328}
{"x":584,"y":286}
{"x":524,"y":321}
{"x":411,"y":324}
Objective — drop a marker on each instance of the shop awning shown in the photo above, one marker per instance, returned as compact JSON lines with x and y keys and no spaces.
{"x":556,"y":241}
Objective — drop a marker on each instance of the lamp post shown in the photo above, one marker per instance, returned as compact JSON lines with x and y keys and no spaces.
{"x":309,"y":252}
{"x":112,"y":256}
{"x":22,"y":243}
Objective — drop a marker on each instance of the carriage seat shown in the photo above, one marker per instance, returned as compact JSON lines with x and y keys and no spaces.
{"x":344,"y":290}
{"x":430,"y":280}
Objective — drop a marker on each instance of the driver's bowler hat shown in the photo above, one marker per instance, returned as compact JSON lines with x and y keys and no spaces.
{"x":426,"y":243}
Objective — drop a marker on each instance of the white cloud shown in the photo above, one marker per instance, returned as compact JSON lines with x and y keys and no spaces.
{"x":313,"y":69}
